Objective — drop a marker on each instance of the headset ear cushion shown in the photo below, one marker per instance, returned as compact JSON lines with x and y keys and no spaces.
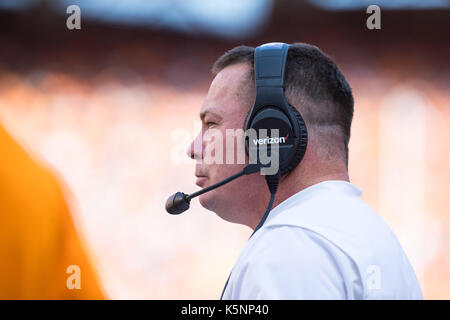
{"x":302,"y":142}
{"x":246,"y":124}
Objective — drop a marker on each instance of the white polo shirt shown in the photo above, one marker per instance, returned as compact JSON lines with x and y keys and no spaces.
{"x":323,"y":243}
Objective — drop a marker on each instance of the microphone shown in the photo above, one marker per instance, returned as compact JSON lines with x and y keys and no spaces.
{"x":179,"y":202}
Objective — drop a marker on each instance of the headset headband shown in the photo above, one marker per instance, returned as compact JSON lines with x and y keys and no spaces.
{"x":270,"y":65}
{"x":270,"y":61}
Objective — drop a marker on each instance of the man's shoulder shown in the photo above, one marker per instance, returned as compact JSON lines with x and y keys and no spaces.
{"x":286,"y":262}
{"x":339,"y":236}
{"x":293,"y":246}
{"x":345,"y":222}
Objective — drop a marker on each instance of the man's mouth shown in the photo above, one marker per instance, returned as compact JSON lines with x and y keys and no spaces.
{"x":201,"y":180}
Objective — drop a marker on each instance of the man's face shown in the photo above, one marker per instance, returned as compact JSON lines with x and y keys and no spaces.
{"x":224,"y":109}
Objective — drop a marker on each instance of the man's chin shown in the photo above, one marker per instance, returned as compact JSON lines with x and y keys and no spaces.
{"x":209,"y":202}
{"x":206,"y":201}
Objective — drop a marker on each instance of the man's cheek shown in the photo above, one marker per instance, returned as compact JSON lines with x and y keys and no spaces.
{"x":214,"y":147}
{"x":235,"y":146}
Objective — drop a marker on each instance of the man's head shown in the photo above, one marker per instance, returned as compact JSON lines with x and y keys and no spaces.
{"x":319,"y":91}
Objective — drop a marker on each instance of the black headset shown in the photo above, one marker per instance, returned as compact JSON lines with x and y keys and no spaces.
{"x":271,"y":109}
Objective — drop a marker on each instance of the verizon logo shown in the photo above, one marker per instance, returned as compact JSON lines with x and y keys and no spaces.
{"x":270,"y":140}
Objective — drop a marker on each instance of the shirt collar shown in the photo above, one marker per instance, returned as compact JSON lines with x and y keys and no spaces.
{"x":334,"y":186}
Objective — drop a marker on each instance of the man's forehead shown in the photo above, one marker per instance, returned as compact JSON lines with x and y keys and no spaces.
{"x":226,"y":88}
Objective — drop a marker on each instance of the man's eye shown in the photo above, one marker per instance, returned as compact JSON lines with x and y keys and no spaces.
{"x":209,"y":124}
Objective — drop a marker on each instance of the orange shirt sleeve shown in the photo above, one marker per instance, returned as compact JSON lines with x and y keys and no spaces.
{"x":38,"y":238}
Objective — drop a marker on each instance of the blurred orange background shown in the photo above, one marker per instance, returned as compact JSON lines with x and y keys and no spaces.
{"x":112,"y":109}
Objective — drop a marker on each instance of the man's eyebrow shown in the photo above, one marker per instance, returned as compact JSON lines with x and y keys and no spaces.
{"x":205,"y":113}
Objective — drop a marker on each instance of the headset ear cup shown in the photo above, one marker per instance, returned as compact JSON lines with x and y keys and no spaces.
{"x":302,"y":142}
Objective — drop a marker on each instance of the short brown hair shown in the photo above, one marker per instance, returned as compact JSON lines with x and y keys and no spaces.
{"x":314,"y":85}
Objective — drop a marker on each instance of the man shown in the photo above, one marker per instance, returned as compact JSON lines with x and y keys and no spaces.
{"x":320,"y":240}
{"x":41,"y":254}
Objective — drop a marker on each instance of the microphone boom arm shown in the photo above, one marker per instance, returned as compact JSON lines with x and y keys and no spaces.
{"x":179,"y":202}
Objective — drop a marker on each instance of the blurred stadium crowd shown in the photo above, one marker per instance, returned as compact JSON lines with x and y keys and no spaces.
{"x":100,"y":105}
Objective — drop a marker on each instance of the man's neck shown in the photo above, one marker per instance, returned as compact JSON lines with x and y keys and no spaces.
{"x":292,"y":184}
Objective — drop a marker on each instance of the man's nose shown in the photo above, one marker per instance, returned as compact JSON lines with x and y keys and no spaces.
{"x":195,"y":149}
